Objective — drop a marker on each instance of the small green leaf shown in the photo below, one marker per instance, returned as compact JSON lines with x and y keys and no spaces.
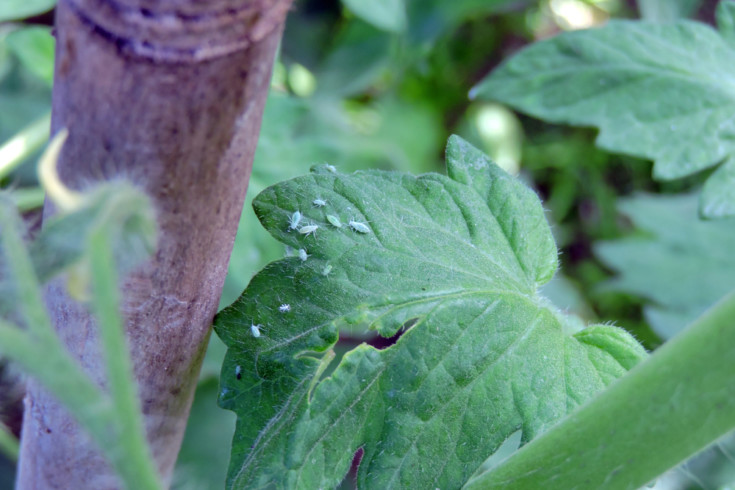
{"x":34,"y":46}
{"x":456,"y":261}
{"x":389,"y":15}
{"x":659,"y":91}
{"x":683,"y":265}
{"x":20,"y":9}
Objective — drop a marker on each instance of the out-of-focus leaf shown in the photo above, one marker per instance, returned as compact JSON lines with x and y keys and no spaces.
{"x":20,"y":9}
{"x":34,"y":46}
{"x":389,"y":15}
{"x":681,"y":264}
{"x":667,"y":10}
{"x":659,"y":91}
{"x":458,"y":258}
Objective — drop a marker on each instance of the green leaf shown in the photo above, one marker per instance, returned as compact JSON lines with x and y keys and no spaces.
{"x":454,"y":261}
{"x":20,"y":9}
{"x":667,"y":10}
{"x":718,"y":194}
{"x":681,"y":264}
{"x":34,"y":46}
{"x":659,"y":91}
{"x":389,"y":15}
{"x":667,"y":408}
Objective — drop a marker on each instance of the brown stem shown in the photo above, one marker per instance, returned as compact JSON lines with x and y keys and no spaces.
{"x":170,"y":94}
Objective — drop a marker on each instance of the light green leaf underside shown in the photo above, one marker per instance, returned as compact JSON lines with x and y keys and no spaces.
{"x":462,"y":255}
{"x":681,"y":264}
{"x":659,"y":91}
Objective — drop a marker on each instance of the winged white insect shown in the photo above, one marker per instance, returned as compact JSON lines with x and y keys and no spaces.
{"x":294,"y":220}
{"x":359,"y":226}
{"x":284,"y":308}
{"x":334,"y":221}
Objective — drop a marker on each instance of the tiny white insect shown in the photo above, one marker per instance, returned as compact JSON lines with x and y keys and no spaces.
{"x":284,"y":308}
{"x":334,"y":221}
{"x":255,"y":330}
{"x":319,"y":202}
{"x":327,"y":269}
{"x":303,"y":255}
{"x":331,"y":168}
{"x":359,"y":227}
{"x":238,"y":372}
{"x":294,"y":220}
{"x":308,"y":230}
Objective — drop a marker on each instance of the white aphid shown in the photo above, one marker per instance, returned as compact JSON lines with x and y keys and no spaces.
{"x":359,"y":227}
{"x":331,"y":168}
{"x":284,"y":308}
{"x":308,"y":229}
{"x":238,"y":371}
{"x":255,"y":330}
{"x":303,"y":255}
{"x":294,"y":220}
{"x":319,"y":202}
{"x":334,"y":221}
{"x":327,"y":269}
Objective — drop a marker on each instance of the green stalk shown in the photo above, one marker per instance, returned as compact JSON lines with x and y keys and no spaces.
{"x":136,"y":462}
{"x":30,"y":139}
{"x":666,"y":409}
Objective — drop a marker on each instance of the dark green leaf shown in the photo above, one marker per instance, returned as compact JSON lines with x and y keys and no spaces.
{"x":457,"y":259}
{"x":659,"y":91}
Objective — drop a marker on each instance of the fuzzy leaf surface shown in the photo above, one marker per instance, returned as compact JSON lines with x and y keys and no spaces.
{"x":660,"y":91}
{"x":456,"y":261}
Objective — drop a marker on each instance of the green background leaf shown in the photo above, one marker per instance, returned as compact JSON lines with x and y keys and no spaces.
{"x":34,"y":46}
{"x":454,"y":260}
{"x":681,"y":264}
{"x":659,"y":91}
{"x":20,"y":9}
{"x":389,"y":15}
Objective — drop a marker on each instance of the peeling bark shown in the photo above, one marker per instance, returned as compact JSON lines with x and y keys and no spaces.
{"x":169,"y":94}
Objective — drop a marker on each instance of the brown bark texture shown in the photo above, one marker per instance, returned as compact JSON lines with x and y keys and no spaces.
{"x":169,"y":94}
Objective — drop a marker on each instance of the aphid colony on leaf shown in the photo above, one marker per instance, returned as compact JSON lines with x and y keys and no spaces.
{"x":255,"y":330}
{"x":238,"y":372}
{"x":319,"y":202}
{"x":284,"y":308}
{"x":303,"y":255}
